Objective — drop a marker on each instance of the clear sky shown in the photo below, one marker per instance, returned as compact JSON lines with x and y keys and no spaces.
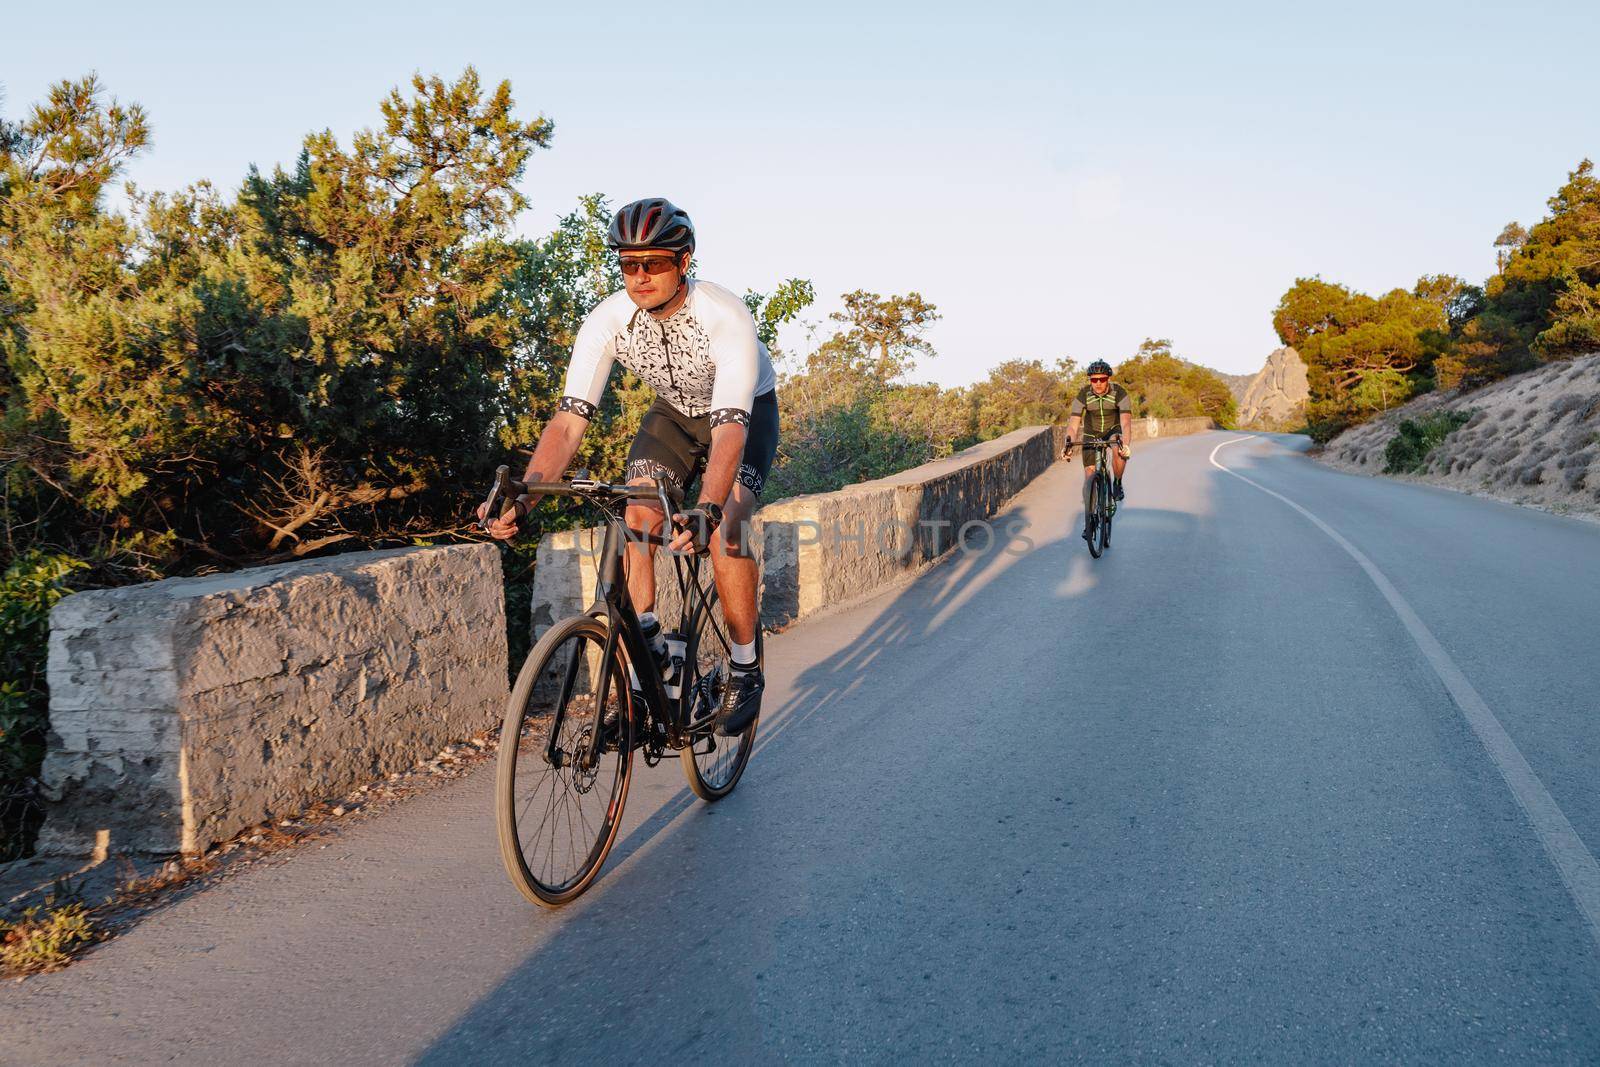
{"x":1061,"y":179}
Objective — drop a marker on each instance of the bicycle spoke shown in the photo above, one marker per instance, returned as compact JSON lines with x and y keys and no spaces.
{"x":713,"y":763}
{"x":549,"y":807}
{"x":559,"y":806}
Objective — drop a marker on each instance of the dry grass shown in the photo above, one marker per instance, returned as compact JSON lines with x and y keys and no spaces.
{"x":143,"y":890}
{"x":46,"y":937}
{"x":1579,"y":437}
{"x":1567,"y":403}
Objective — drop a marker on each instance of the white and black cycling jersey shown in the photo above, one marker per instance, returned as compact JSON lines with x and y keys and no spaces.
{"x":703,"y":360}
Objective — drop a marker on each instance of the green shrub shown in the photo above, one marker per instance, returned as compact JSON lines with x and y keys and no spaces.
{"x":45,"y":938}
{"x":31,"y":586}
{"x":1409,"y":447}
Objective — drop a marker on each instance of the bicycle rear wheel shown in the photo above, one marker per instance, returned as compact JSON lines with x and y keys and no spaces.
{"x":712,"y":763}
{"x":557,"y":805}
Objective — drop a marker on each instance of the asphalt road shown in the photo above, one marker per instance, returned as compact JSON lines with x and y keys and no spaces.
{"x":1205,"y":799}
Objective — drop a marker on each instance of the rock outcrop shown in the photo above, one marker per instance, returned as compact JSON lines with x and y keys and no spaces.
{"x":1531,"y":439}
{"x":1276,"y":399}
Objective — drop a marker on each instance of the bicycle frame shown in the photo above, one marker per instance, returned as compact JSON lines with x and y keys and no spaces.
{"x":613,"y":600}
{"x":1102,"y":466}
{"x":1102,"y":447}
{"x":579,"y":755}
{"x":1100,"y":498}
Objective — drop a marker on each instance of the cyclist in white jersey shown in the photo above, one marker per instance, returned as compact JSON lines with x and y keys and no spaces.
{"x":716,"y":412}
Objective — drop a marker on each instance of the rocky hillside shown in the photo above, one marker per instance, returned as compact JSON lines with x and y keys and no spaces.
{"x":1237,"y":384}
{"x":1530,"y":439}
{"x":1276,"y":398}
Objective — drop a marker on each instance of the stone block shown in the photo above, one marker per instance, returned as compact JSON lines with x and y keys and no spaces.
{"x":183,"y":711}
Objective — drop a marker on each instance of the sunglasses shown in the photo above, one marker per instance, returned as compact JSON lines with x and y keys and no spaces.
{"x":1100,"y":378}
{"x":649,"y":264}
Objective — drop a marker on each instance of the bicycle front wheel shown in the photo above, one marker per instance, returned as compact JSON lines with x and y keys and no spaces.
{"x":560,"y":790}
{"x":712,"y":763}
{"x":1105,"y":513}
{"x":1093,"y":517}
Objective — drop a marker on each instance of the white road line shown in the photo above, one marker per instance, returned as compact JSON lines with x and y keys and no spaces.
{"x":1566,"y":849}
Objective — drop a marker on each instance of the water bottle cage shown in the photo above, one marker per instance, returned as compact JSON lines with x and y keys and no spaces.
{"x":672,"y":665}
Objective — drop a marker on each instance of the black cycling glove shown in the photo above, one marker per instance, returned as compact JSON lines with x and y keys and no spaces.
{"x":702,"y":522}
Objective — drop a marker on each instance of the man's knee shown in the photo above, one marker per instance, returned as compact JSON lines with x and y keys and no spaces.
{"x":643,"y":517}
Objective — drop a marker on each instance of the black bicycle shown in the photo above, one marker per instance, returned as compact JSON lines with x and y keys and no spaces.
{"x":574,"y":722}
{"x":1098,"y":505}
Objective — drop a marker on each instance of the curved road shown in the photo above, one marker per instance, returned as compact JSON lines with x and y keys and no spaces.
{"x":1204,"y":799}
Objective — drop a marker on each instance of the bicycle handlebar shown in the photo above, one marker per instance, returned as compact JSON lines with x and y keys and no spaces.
{"x":507,"y":488}
{"x":587,"y":487}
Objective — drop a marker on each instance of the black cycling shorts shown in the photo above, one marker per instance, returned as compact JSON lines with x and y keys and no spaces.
{"x":673,"y":445}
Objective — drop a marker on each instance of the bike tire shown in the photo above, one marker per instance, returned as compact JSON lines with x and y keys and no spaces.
{"x":1092,"y":517}
{"x":1105,"y":513}
{"x":524,"y":738}
{"x":713,"y":764}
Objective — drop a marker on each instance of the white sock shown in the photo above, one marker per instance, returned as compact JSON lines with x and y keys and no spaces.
{"x":744,"y":655}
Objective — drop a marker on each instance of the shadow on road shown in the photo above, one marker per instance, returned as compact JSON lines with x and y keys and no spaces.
{"x":682,"y":935}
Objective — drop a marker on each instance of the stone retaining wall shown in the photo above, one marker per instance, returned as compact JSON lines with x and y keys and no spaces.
{"x":185,"y":710}
{"x":827,"y":549}
{"x":1144,"y":429}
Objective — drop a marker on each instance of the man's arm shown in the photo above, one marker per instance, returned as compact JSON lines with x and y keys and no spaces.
{"x":1074,"y":421}
{"x":727,"y":449}
{"x":1127,"y":429}
{"x":557,"y":445}
{"x":594,"y":353}
{"x":593,"y":356}
{"x":716,"y":484}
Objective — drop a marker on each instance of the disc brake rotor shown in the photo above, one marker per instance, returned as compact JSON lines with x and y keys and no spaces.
{"x":583,"y":779}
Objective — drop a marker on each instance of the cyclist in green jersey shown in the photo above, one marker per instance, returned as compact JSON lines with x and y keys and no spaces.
{"x":1102,"y":409}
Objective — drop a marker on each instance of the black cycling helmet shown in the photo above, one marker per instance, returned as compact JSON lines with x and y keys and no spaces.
{"x":1100,"y":366}
{"x":654,"y":222}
